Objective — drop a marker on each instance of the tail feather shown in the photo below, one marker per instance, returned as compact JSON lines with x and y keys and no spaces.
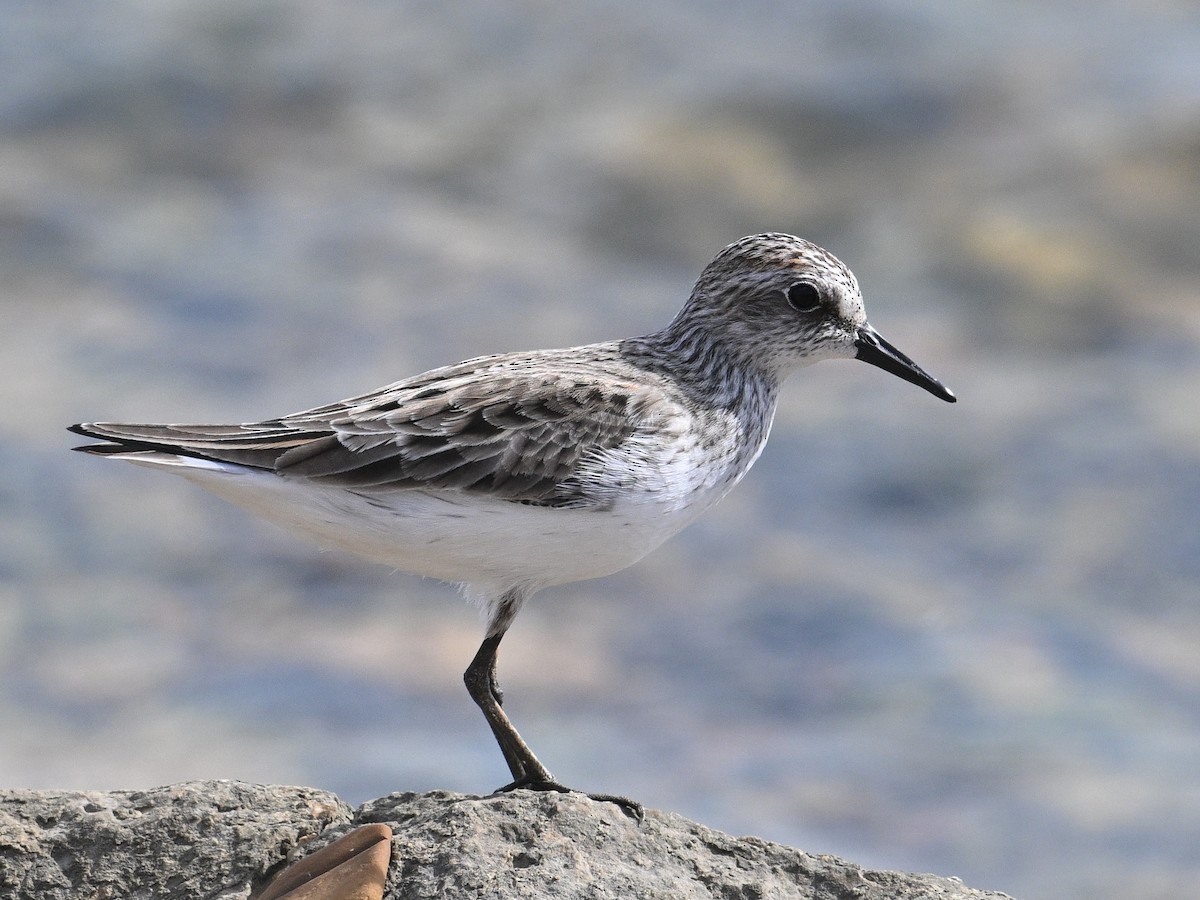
{"x":257,"y":446}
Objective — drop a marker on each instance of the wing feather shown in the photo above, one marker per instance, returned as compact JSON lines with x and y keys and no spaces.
{"x":514,"y":426}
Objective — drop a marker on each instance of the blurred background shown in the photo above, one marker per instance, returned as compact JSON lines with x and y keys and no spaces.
{"x":961,"y":639}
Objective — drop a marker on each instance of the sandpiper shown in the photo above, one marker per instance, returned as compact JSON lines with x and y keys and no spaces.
{"x":510,"y":473}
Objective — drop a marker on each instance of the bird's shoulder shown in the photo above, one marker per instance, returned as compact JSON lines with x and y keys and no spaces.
{"x":516,"y":425}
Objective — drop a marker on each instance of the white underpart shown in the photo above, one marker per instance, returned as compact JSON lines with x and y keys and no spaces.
{"x":648,"y":489}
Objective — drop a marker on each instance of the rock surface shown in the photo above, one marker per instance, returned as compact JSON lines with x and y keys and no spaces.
{"x":221,"y":840}
{"x":209,"y":839}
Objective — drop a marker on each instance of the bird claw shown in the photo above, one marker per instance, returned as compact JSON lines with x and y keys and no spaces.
{"x":631,"y":808}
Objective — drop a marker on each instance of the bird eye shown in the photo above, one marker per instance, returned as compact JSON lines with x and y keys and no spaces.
{"x":804,"y":297}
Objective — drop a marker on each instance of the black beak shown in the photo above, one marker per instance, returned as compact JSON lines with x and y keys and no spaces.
{"x":873,"y":349}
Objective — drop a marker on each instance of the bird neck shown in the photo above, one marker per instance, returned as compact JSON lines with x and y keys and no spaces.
{"x":708,"y":370}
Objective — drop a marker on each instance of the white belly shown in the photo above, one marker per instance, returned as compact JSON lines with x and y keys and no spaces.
{"x":643,"y":493}
{"x":453,"y":536}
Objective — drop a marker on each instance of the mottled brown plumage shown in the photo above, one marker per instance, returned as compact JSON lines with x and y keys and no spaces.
{"x":502,"y":425}
{"x":510,"y":473}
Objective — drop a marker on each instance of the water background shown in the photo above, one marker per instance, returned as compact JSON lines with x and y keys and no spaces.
{"x":961,"y":639}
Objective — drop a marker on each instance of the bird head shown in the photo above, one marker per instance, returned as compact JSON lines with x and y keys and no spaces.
{"x":784,"y":302}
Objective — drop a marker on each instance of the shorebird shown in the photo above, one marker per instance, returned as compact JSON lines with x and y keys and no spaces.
{"x":510,"y":473}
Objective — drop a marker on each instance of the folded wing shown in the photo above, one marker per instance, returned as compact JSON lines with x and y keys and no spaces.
{"x":494,"y":425}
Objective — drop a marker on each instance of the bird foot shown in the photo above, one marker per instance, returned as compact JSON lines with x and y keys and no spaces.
{"x":631,"y":808}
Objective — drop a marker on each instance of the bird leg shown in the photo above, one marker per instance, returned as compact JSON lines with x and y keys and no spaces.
{"x":480,"y":679}
{"x":527,"y":770}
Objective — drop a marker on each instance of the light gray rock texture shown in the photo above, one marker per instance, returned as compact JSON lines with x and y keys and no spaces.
{"x":222,"y":839}
{"x":211,"y":839}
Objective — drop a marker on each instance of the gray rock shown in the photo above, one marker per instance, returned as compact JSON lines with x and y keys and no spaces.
{"x":202,"y":839}
{"x":221,"y":839}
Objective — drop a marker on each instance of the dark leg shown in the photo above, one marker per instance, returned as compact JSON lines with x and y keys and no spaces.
{"x":527,"y":770}
{"x":480,"y":679}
